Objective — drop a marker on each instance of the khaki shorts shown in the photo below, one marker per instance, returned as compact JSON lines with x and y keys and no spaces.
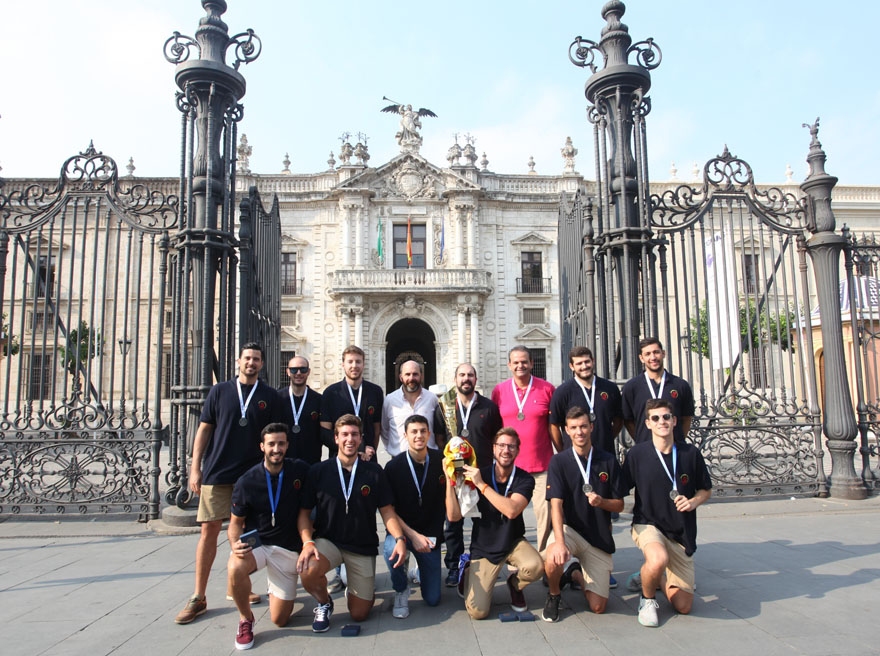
{"x":280,"y":564}
{"x":482,"y":574}
{"x":360,"y":570}
{"x":215,"y":503}
{"x":680,"y":567}
{"x":596,"y":565}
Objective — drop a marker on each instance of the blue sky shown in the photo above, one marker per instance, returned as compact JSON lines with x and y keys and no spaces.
{"x":744,"y":74}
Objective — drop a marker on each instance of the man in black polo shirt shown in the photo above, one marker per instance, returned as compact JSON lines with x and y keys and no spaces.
{"x":227,"y":444}
{"x":498,"y":535}
{"x":656,"y":383}
{"x":584,"y":488}
{"x":266,"y":499}
{"x":418,"y":485}
{"x":301,"y":411}
{"x":671,"y":481}
{"x":477,"y":419}
{"x":345,"y":493}
{"x":354,"y":395}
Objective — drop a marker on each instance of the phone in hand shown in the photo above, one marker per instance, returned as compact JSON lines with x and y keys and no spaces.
{"x":251,"y":538}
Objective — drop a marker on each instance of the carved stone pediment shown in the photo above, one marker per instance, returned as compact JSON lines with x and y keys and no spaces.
{"x":535,"y":334}
{"x":287,"y":241}
{"x":531,"y":239}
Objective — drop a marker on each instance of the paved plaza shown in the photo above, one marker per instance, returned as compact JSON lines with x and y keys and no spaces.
{"x":773,"y":577}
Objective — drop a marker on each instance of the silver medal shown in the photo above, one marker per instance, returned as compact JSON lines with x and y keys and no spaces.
{"x":296,"y":428}
{"x":465,"y":432}
{"x":520,"y":415}
{"x":673,"y":494}
{"x":587,"y":488}
{"x":592,"y":417}
{"x":242,"y":421}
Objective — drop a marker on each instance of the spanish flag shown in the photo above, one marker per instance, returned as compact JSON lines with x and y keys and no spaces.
{"x":409,"y":241}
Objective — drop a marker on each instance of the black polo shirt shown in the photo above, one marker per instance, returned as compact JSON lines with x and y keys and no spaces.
{"x":484,"y":421}
{"x":250,"y":499}
{"x":428,"y":517}
{"x":565,"y":481}
{"x":335,"y":402}
{"x":494,"y":536}
{"x":306,"y":444}
{"x":635,"y":395}
{"x":642,"y":470}
{"x":606,"y":407}
{"x":354,"y":531}
{"x":233,"y":449}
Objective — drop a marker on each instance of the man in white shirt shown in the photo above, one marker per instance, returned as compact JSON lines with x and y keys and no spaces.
{"x":409,"y":399}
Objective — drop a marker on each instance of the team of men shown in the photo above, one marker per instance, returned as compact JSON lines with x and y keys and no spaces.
{"x":257,"y":456}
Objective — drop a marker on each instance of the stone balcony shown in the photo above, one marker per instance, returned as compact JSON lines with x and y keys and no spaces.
{"x":422,"y":281}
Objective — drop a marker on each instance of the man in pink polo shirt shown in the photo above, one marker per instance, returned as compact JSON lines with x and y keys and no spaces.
{"x":524,"y":402}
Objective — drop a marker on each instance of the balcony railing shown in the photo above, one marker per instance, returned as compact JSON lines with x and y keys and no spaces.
{"x":417,"y":280}
{"x":533,"y":285}
{"x":292,"y":287}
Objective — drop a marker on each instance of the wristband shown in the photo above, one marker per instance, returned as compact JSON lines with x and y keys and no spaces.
{"x":483,"y":489}
{"x":309,"y":542}
{"x":400,"y":537}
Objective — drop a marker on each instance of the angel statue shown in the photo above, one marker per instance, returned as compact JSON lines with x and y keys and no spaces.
{"x":408,"y":136}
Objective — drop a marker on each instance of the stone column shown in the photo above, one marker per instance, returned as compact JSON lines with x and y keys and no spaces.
{"x":471,"y":239}
{"x":345,"y":241}
{"x":462,"y":333}
{"x":457,"y":220}
{"x":345,"y":315}
{"x":475,"y":335}
{"x":824,"y":247}
{"x":358,"y":237}
{"x":358,"y":326}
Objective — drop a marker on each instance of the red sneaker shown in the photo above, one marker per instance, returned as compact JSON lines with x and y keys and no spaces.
{"x":244,"y":639}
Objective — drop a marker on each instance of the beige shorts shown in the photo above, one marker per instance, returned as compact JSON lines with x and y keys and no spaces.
{"x":215,"y":503}
{"x":360,"y":570}
{"x":680,"y":566}
{"x":596,"y":565}
{"x":280,"y":564}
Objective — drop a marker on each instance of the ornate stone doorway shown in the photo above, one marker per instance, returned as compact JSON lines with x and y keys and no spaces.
{"x":410,"y":339}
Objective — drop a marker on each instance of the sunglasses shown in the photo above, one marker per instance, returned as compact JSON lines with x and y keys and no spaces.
{"x":298,"y":370}
{"x":665,"y":417}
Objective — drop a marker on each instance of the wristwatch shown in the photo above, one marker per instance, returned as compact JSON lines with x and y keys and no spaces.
{"x":400,"y":537}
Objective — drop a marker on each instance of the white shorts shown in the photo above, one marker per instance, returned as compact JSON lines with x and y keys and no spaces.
{"x":280,"y":565}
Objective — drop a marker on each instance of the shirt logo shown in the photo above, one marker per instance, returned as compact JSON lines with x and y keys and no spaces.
{"x":673,"y":394}
{"x":603,"y":476}
{"x":297,"y":484}
{"x":365,"y":490}
{"x":604,"y":396}
{"x":261,"y":405}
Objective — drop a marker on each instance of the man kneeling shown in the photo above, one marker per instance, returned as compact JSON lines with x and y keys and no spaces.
{"x":498,"y":535}
{"x":267,"y":499}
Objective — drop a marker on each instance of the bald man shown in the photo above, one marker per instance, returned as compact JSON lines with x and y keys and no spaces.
{"x":409,"y":399}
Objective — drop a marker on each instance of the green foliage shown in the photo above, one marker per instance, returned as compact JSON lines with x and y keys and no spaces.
{"x":83,"y":344}
{"x":8,"y":343}
{"x":755,"y":328}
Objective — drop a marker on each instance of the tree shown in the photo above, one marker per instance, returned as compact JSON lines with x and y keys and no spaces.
{"x":83,"y":344}
{"x":756,"y":328}
{"x":8,"y":342}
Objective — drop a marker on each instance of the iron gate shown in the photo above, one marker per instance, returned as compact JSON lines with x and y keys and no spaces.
{"x":84,"y":265}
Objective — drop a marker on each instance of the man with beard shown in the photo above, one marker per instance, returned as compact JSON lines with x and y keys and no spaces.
{"x":407,"y":400}
{"x":499,"y":532}
{"x":524,"y":403}
{"x":301,"y":411}
{"x":477,"y":419}
{"x":227,"y":444}
{"x":417,"y":483}
{"x":266,"y":499}
{"x":656,"y":383}
{"x":345,"y":493}
{"x":353,"y":395}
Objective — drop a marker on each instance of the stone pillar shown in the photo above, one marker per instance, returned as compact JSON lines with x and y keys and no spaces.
{"x":475,"y":335}
{"x":456,"y":219}
{"x":358,"y":326}
{"x":471,"y":239}
{"x":358,"y":237}
{"x":824,"y":247}
{"x":345,"y":241}
{"x":345,"y":327}
{"x":462,"y":333}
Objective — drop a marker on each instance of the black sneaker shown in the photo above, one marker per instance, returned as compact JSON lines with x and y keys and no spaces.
{"x":551,"y":608}
{"x":452,"y":577}
{"x":323,"y":613}
{"x":517,"y":598}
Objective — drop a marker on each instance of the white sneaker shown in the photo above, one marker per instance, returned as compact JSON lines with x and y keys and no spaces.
{"x":414,"y":576}
{"x":401,"y":605}
{"x":648,"y":612}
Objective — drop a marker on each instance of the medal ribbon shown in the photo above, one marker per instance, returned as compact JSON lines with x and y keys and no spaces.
{"x":346,"y":492}
{"x":241,"y":402}
{"x":273,"y":499}
{"x":412,"y":471}
{"x":584,"y":472}
{"x":356,"y":404}
{"x":461,"y":410}
{"x":674,"y":465}
{"x":659,"y":394}
{"x":591,"y":399}
{"x":521,"y":405}
{"x":302,"y":405}
{"x":509,"y":480}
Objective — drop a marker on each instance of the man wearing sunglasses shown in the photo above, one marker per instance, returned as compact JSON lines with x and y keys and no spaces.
{"x":671,"y":481}
{"x":656,"y":383}
{"x":498,"y":535}
{"x":301,"y":408}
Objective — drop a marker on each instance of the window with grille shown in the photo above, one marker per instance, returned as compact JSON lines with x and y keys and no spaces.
{"x":533,"y":315}
{"x":750,"y":272}
{"x":288,"y":319}
{"x":289,"y":283}
{"x":40,"y":369}
{"x":539,"y":362}
{"x":284,"y":377}
{"x":532,"y":273}
{"x":419,"y":237}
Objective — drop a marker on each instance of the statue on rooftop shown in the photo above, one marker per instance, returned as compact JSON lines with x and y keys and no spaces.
{"x":408,"y":136}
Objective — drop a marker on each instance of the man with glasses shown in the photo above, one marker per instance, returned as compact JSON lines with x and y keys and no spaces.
{"x":226,"y":445}
{"x":671,"y":481}
{"x":301,"y":411}
{"x":498,"y":535}
{"x":656,"y":383}
{"x":584,"y":488}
